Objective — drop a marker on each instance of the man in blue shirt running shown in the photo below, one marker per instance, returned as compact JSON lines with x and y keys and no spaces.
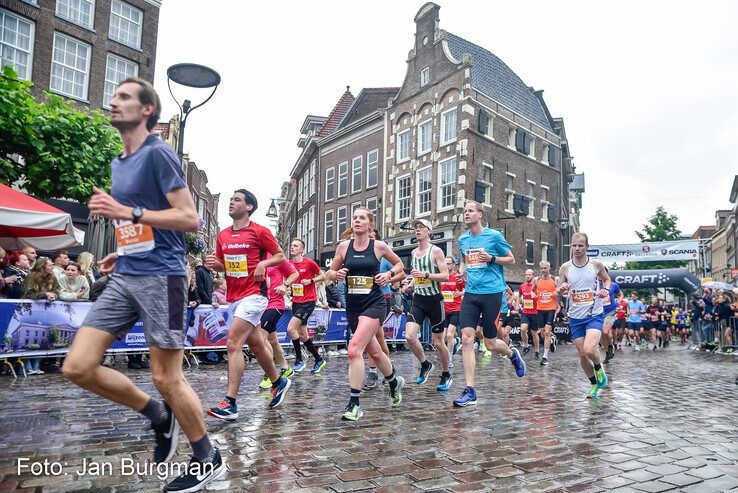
{"x":484,"y":252}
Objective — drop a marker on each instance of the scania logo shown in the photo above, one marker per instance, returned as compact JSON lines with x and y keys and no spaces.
{"x":646,"y":248}
{"x":664,"y":251}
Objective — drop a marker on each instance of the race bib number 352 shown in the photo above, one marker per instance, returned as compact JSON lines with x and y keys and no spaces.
{"x":133,"y":238}
{"x":236,"y":265}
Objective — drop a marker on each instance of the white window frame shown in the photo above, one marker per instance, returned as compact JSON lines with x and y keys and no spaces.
{"x":28,"y":68}
{"x":313,"y":173}
{"x":526,"y":252}
{"x":544,"y":154}
{"x":354,"y":206}
{"x":544,"y":251}
{"x":532,"y":153}
{"x":375,"y":207}
{"x":372,"y":164}
{"x":398,"y":148}
{"x":421,"y":149}
{"x":356,"y":182}
{"x":510,"y":192}
{"x":68,"y":39}
{"x":300,"y":197}
{"x":328,"y":239}
{"x":342,"y":176}
{"x":488,"y":184}
{"x":424,"y":76}
{"x":110,"y":83}
{"x":419,"y":193}
{"x":511,"y":137}
{"x":340,"y":230}
{"x":310,"y":243}
{"x":78,"y":22}
{"x":440,"y":184}
{"x":532,"y":203}
{"x":399,"y":200}
{"x":130,"y":21}
{"x":545,"y":204}
{"x":330,"y":183}
{"x":442,"y":136}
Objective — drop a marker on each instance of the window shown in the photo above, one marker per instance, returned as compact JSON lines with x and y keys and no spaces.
{"x":544,"y":252}
{"x":70,"y":67}
{"x":80,"y":12}
{"x":483,"y":190}
{"x":544,"y":154}
{"x":425,"y":137}
{"x":356,"y":174}
{"x":510,"y":192}
{"x":448,"y":126}
{"x":354,"y":206}
{"x":532,"y":148}
{"x":403,"y":146}
{"x":531,"y":192}
{"x":424,"y":76}
{"x":529,"y":245}
{"x":403,"y":197}
{"x":343,"y":179}
{"x":116,"y":70}
{"x":125,"y":24}
{"x":424,"y":184}
{"x":300,"y":197}
{"x":313,"y":172}
{"x":544,"y":193}
{"x":16,"y":43}
{"x":310,"y":243}
{"x":328,"y":227}
{"x":340,"y":222}
{"x":485,"y":124}
{"x":551,"y":254}
{"x":330,"y":180}
{"x":372,"y":168}
{"x":447,"y":183}
{"x":522,"y":142}
{"x":371,"y":204}
{"x":305,"y":188}
{"x":552,"y":157}
{"x":511,"y":138}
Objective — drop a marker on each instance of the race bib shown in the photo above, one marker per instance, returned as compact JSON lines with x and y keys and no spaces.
{"x":421,"y":281}
{"x":528,"y":304}
{"x":298,"y":290}
{"x":582,"y":297}
{"x":236,"y":265}
{"x":472,"y":258}
{"x":133,"y":238}
{"x":545,"y":297}
{"x":359,"y":284}
{"x":448,"y":296}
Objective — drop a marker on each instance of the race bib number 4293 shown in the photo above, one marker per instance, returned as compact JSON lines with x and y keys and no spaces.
{"x":582,"y":297}
{"x":133,"y":238}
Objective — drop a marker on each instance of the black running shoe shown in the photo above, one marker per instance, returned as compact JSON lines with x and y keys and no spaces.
{"x":536,"y":356}
{"x":167,"y":436}
{"x":544,"y":361}
{"x":526,"y":350}
{"x":198,"y":475}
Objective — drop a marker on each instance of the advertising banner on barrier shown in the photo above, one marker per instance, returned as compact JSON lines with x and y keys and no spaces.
{"x":646,"y":252}
{"x":37,"y":327}
{"x":560,"y":330}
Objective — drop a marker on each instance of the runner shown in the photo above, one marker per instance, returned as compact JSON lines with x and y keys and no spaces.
{"x":280,"y":278}
{"x":609,"y":305}
{"x":508,"y":304}
{"x":151,"y":207}
{"x":528,"y":313}
{"x":357,"y":261}
{"x":621,"y":323}
{"x":484,"y":252}
{"x":654,"y":312}
{"x":428,"y":268}
{"x":453,"y":293}
{"x":635,"y":322}
{"x":304,"y":297}
{"x":239,"y":249}
{"x":586,"y":282}
{"x":545,"y":290}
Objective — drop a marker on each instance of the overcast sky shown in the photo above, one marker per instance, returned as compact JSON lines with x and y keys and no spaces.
{"x":648,"y":90}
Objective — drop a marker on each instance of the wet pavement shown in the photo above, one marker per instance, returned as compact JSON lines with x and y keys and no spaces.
{"x":667,"y":422}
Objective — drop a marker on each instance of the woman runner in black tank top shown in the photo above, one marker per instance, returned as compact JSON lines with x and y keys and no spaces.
{"x":357,"y":261}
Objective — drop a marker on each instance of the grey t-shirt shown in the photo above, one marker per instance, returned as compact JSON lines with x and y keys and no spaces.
{"x":143,"y":179}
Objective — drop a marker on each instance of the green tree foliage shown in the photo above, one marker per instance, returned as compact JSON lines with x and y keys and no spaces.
{"x":65,"y":151}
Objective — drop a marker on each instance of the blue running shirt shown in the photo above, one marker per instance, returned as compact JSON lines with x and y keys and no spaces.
{"x":483,"y":278}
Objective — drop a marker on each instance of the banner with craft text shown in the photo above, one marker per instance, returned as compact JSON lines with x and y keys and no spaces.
{"x":29,"y":328}
{"x":646,"y":252}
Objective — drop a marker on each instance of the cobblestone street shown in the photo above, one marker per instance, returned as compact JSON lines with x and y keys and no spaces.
{"x":666,"y":422}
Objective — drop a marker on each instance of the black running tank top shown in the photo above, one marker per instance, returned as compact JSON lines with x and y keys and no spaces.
{"x":361,"y":290}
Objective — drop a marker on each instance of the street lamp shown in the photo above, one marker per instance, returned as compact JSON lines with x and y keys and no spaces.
{"x":190,"y":75}
{"x":272,"y":211}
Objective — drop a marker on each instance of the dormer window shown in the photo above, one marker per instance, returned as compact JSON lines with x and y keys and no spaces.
{"x":424,"y":76}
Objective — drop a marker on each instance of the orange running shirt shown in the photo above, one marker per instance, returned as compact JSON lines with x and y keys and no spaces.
{"x":546,"y":291}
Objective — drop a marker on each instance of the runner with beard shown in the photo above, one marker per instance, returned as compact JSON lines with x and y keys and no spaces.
{"x":453,"y":293}
{"x":545,"y":290}
{"x":528,"y":313}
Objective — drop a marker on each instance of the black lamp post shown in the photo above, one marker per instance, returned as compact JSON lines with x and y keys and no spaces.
{"x":190,"y":75}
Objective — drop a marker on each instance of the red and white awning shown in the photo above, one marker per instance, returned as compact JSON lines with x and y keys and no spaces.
{"x":28,"y":221}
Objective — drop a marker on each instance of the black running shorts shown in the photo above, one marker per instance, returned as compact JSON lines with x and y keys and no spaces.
{"x":452,"y":318}
{"x":376,"y":310}
{"x":486,"y":305}
{"x":270,"y":319}
{"x":430,"y":307}
{"x":546,"y":317}
{"x":303,"y":311}
{"x":531,"y":319}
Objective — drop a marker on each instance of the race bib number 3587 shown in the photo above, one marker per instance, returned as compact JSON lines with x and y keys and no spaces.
{"x":133,"y":238}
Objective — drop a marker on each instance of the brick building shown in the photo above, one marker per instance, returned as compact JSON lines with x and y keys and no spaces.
{"x":465,"y":127}
{"x":79,"y":49}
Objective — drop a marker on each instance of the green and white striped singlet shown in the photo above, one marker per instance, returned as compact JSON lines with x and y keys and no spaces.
{"x":425,"y":287}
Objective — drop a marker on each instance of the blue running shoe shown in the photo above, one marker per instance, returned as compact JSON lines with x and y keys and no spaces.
{"x":445,"y":383}
{"x":518,"y":363}
{"x":457,"y":344}
{"x":299,"y":366}
{"x":319,"y":365}
{"x":424,"y":373}
{"x":225,"y":410}
{"x":279,"y":392}
{"x":468,"y":398}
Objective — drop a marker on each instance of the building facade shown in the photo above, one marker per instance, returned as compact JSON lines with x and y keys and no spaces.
{"x":79,"y":49}
{"x":465,"y":127}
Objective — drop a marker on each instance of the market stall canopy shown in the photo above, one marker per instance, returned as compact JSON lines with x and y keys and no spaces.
{"x":25,"y":220}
